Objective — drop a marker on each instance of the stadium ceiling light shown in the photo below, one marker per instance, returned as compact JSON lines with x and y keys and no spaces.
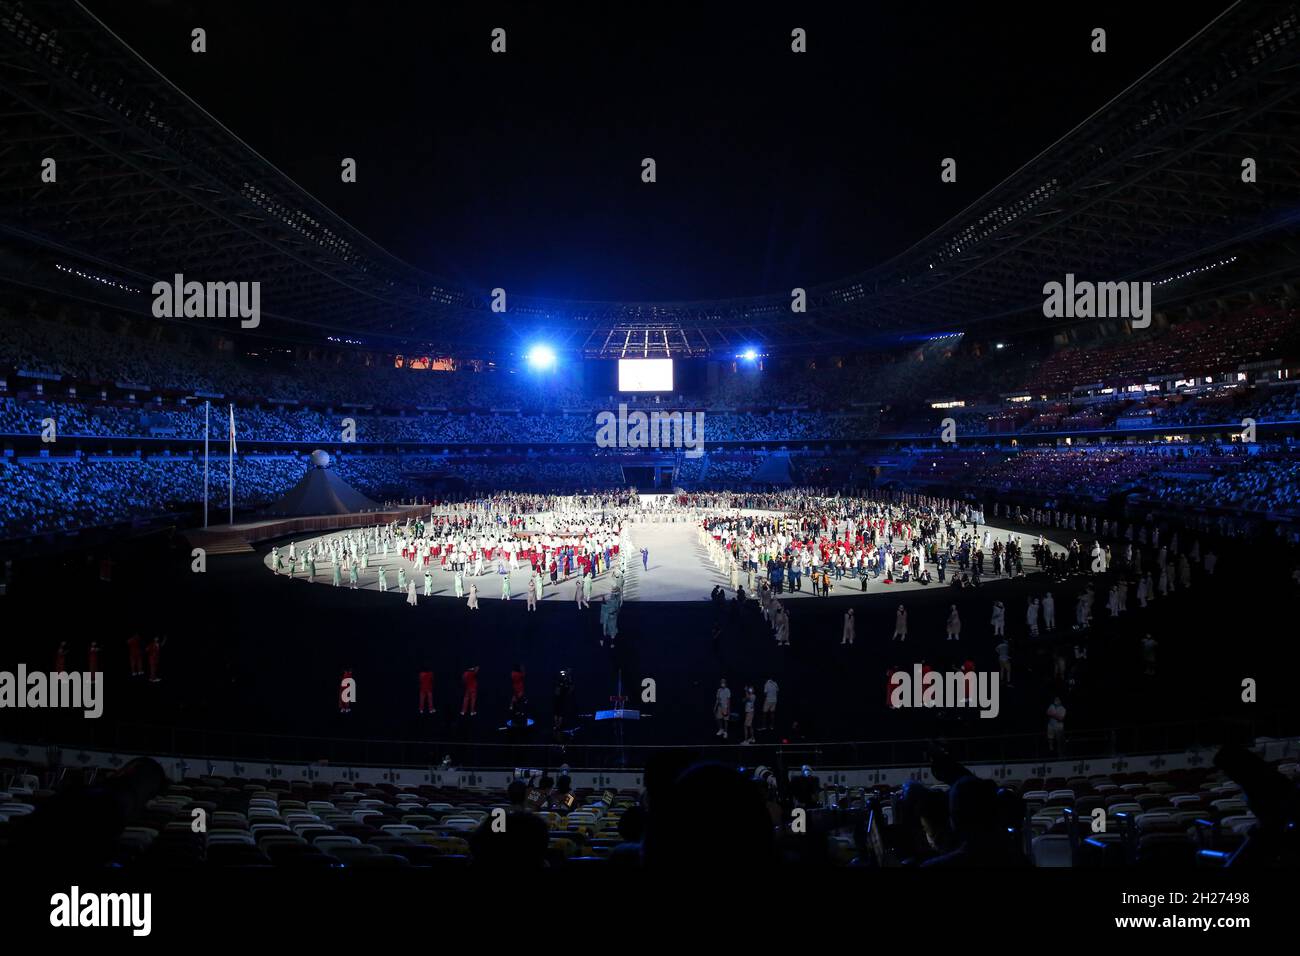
{"x":541,"y":357}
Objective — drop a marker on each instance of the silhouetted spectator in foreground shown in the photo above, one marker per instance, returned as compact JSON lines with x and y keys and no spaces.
{"x":1274,"y":841}
{"x":975,"y":813}
{"x":935,"y":825}
{"x":79,"y":826}
{"x":711,"y":815}
{"x":521,"y":845}
{"x":517,"y":795}
{"x":631,"y":827}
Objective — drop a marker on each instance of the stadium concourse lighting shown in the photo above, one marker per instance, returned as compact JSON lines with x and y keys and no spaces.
{"x":541,"y":356}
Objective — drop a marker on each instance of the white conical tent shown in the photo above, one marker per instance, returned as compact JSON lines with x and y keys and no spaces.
{"x":320,"y":492}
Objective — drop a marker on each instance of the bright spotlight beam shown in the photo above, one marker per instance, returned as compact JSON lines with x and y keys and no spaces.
{"x":541,"y":356}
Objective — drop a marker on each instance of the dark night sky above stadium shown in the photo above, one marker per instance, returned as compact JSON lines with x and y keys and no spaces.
{"x":774,"y":169}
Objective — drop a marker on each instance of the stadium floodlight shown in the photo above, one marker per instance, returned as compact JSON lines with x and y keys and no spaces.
{"x":541,"y":357}
{"x":749,"y":355}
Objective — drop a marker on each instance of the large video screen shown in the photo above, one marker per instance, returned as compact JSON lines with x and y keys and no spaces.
{"x":645,"y":375}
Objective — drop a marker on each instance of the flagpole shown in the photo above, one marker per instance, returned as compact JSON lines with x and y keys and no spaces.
{"x":230,"y":478}
{"x":207,"y":424}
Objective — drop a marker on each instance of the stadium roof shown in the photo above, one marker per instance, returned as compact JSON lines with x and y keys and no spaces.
{"x":1148,"y":187}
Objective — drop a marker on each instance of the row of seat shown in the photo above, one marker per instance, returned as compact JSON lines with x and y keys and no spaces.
{"x":1149,"y":817}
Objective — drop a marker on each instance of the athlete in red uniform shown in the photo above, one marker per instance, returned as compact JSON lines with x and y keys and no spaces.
{"x":469,"y":680}
{"x":133,"y":653}
{"x":426,"y":692}
{"x":155,"y":657}
{"x":516,"y":684}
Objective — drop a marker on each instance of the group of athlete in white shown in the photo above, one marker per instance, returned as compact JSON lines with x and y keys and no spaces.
{"x":749,"y":704}
{"x":501,"y":535}
{"x":845,"y":535}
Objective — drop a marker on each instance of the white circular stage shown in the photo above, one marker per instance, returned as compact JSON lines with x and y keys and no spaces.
{"x":677,"y":567}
